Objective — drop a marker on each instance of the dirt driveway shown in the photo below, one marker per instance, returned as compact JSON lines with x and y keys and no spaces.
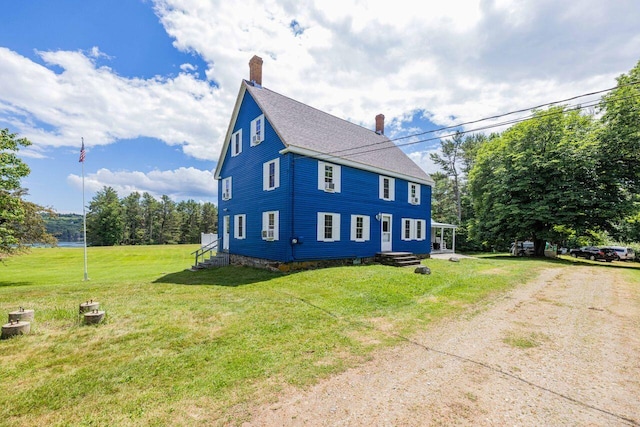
{"x":562,"y":350}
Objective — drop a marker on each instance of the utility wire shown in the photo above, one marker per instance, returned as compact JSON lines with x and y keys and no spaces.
{"x":364,"y":149}
{"x":359,"y":150}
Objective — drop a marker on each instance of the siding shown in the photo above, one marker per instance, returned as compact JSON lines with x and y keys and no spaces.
{"x":359,"y":195}
{"x":248,"y":196}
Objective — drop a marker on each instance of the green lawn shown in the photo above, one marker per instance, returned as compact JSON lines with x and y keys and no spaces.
{"x":187,"y":348}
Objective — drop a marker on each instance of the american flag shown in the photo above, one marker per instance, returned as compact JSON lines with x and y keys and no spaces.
{"x":82,"y":152}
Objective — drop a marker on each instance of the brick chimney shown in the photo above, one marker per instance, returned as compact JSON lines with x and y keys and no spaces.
{"x":255,"y":70}
{"x":380,"y":124}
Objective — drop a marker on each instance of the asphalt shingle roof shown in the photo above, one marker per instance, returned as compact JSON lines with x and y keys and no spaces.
{"x":299,"y":125}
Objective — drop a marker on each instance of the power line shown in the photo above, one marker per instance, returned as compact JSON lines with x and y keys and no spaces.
{"x":365,"y":148}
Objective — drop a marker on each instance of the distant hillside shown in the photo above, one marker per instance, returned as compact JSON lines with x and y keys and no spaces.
{"x":64,"y":227}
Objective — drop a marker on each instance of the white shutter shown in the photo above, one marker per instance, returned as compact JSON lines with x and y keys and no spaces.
{"x":337,"y":178}
{"x":276,"y":179}
{"x":276,"y":225}
{"x":336,"y":227}
{"x":265,"y":223}
{"x":320,"y":227}
{"x":392,"y":189}
{"x":265,"y":176}
{"x":381,"y":186}
{"x":366,"y":228}
{"x":354,"y":222}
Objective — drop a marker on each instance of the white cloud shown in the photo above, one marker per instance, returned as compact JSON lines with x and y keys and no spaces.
{"x":179,"y":184}
{"x":97,"y":104}
{"x":452,"y":61}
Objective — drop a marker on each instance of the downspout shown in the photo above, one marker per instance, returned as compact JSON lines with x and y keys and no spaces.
{"x":293,"y":198}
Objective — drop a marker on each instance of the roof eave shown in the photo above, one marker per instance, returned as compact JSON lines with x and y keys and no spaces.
{"x":346,"y":162}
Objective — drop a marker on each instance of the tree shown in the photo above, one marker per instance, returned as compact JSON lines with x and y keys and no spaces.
{"x":150,"y":215}
{"x":209,"y":222}
{"x":620,"y":135}
{"x":539,"y":180}
{"x":104,"y":219}
{"x":449,"y":163}
{"x":20,"y":222}
{"x":443,"y":201}
{"x":132,"y":219}
{"x":190,"y":219}
{"x":169,"y":222}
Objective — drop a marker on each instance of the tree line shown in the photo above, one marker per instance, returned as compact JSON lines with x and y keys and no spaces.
{"x":564,"y":175}
{"x":141,"y":219}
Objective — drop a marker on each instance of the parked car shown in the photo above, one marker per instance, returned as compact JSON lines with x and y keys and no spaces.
{"x":594,"y":253}
{"x":524,"y":249}
{"x":624,"y":254}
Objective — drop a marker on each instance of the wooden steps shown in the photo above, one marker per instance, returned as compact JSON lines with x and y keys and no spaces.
{"x":397,"y":259}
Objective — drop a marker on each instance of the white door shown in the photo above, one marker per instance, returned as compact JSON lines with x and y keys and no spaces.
{"x":385,"y":245}
{"x":226,"y":221}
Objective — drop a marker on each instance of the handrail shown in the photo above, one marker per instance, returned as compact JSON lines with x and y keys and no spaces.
{"x":204,"y":250}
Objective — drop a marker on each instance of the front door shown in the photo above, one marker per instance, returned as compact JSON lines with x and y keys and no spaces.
{"x":226,"y":225}
{"x":385,"y":245}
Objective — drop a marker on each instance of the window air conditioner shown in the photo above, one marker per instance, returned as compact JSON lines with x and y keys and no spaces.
{"x":414,"y":200}
{"x":225,"y":195}
{"x":256,"y":139}
{"x":329,"y":186}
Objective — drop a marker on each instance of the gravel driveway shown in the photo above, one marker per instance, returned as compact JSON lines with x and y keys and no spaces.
{"x":562,"y":350}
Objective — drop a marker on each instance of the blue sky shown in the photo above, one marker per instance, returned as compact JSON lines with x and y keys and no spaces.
{"x":150,"y":85}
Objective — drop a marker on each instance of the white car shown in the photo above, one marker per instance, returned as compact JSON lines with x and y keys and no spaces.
{"x":624,"y":253}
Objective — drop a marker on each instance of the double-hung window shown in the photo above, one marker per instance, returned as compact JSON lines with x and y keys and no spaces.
{"x":236,"y":143}
{"x":387,"y":188}
{"x":257,"y":130}
{"x":328,"y":227}
{"x":240,"y":226}
{"x":414,"y":193}
{"x":226,"y":188}
{"x":270,"y":225}
{"x":360,"y":228}
{"x":413,"y":229}
{"x":329,"y":177}
{"x":271,"y":175}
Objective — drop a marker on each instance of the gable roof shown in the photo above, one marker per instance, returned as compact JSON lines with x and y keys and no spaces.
{"x":308,"y":131}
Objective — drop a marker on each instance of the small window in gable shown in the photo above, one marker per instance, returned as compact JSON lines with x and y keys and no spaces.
{"x":240,"y":226}
{"x":387,"y":190}
{"x":328,"y":227}
{"x":270,"y":225}
{"x":257,"y":130}
{"x":414,"y":193}
{"x":329,"y":177}
{"x":360,"y":228}
{"x":271,"y":175}
{"x":236,"y":143}
{"x":226,"y":188}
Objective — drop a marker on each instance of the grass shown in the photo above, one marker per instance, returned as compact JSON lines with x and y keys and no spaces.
{"x":189,"y":348}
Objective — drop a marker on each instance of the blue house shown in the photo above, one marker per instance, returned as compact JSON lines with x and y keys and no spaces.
{"x":298,"y":184}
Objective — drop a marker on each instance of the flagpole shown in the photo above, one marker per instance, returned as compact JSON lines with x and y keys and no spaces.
{"x":84,"y":214}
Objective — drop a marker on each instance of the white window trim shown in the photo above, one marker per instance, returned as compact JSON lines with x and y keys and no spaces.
{"x":255,"y":141}
{"x":225,"y":195}
{"x":236,"y":228}
{"x":267,"y":233}
{"x":336,"y":178}
{"x":366,"y":228}
{"x":413,"y":229}
{"x":392,"y":188}
{"x":335,"y":227}
{"x":265,"y":175}
{"x":235,"y":135}
{"x":413,"y":200}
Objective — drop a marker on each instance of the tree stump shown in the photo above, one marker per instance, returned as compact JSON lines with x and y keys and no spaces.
{"x":93,"y":317}
{"x":21,"y":315}
{"x":12,"y":329}
{"x":89,"y":306}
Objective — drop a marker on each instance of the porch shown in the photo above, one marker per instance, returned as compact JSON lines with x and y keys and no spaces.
{"x":443,"y":238}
